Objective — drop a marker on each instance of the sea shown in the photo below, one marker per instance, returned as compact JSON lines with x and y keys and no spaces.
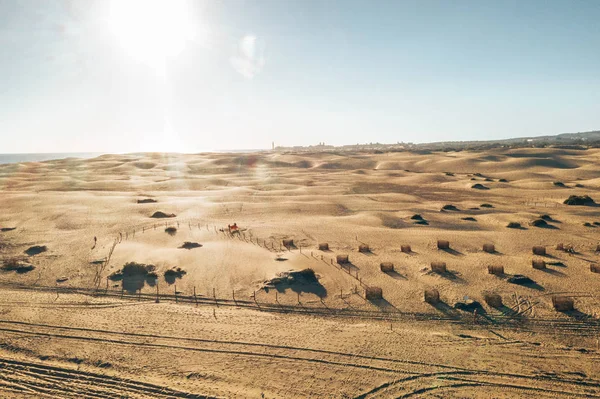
{"x":18,"y":158}
{"x":33,"y":157}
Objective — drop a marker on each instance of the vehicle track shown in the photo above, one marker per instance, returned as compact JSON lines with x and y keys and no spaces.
{"x":44,"y":380}
{"x":412,"y":373}
{"x":416,"y":386}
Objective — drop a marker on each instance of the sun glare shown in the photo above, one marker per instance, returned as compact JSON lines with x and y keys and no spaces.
{"x":150,"y":31}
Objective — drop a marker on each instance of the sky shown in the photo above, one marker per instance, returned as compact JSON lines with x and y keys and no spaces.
{"x":192,"y":76}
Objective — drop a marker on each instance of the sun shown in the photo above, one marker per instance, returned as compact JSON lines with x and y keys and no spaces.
{"x":151,"y":31}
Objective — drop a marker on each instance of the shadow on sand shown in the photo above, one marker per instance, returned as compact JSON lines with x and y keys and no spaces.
{"x":396,"y":276}
{"x":452,"y":252}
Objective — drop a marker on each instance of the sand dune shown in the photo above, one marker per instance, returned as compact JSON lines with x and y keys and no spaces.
{"x":343,"y":199}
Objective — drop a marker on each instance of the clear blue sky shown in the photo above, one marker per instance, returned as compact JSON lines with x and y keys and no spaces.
{"x":151,"y":75}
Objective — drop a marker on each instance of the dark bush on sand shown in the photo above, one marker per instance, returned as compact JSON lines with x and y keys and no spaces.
{"x":449,"y":207}
{"x":584,"y":200}
{"x":16,"y":265}
{"x":539,"y":223}
{"x":36,"y":250}
{"x":133,"y":269}
{"x":175,"y":272}
{"x":146,"y":201}
{"x":190,"y":245}
{"x":160,"y":215}
{"x":479,"y":186}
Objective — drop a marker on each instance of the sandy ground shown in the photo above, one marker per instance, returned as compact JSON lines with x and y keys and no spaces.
{"x":334,"y":343}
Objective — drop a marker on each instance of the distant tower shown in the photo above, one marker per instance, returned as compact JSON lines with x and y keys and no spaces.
{"x":272,"y":145}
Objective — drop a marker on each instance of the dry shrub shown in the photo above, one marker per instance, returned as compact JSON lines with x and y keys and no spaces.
{"x":386,"y":267}
{"x":175,"y":272}
{"x":161,"y":215}
{"x":36,"y":250}
{"x":479,"y":186}
{"x":489,"y":248}
{"x":595,"y":268}
{"x":324,"y":246}
{"x":190,"y":245}
{"x":364,"y":248}
{"x":442,"y":244}
{"x":496,"y":269}
{"x":341,"y":259}
{"x":449,"y":207}
{"x":171,"y":230}
{"x":146,"y":201}
{"x":493,"y":299}
{"x":288,"y":243}
{"x":16,"y":264}
{"x":584,"y":200}
{"x":514,"y":225}
{"x":560,"y":247}
{"x":406,"y":249}
{"x":432,"y":296}
{"x":539,"y":250}
{"x":538,"y":264}
{"x":563,"y":303}
{"x":438,"y":267}
{"x":373,"y":293}
{"x":539,"y":223}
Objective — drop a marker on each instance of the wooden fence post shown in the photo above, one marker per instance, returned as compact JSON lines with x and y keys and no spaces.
{"x":215,"y":296}
{"x":157,"y":299}
{"x":176,"y":294}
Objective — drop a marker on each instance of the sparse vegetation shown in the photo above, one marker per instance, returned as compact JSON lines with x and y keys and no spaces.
{"x":514,"y":225}
{"x":171,"y":231}
{"x":559,"y":184}
{"x":486,"y":205}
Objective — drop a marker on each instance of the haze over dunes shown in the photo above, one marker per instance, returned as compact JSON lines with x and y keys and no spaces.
{"x":344,"y":199}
